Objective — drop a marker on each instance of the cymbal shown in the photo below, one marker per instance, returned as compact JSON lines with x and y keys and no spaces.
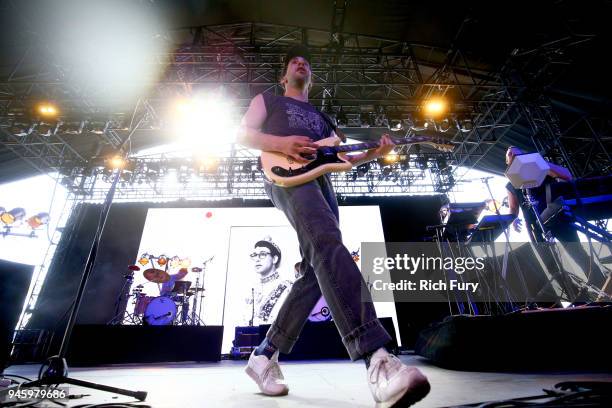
{"x":196,"y":269}
{"x":156,"y":275}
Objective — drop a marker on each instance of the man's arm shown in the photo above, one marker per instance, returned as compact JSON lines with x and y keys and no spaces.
{"x":386,"y":145}
{"x":561,"y":172}
{"x":250,"y":134}
{"x":513,"y":203}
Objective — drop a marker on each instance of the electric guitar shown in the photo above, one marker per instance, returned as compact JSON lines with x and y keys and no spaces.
{"x":330,"y":157}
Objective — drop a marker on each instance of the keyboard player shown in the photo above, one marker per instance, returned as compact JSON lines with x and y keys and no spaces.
{"x":561,"y":228}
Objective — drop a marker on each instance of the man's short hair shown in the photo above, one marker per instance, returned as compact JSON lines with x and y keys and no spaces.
{"x":274,"y":249}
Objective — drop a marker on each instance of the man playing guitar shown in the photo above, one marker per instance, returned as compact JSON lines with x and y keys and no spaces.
{"x":289,"y":125}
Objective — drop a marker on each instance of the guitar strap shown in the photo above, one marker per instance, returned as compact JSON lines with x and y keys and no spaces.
{"x":331,"y":123}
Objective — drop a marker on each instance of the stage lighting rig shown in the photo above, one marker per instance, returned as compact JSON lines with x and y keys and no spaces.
{"x":419,"y":124}
{"x":366,"y":120}
{"x":341,"y":119}
{"x":20,"y":129}
{"x":46,"y":129}
{"x":443,"y":125}
{"x":98,"y":128}
{"x":464,"y":123}
{"x":72,"y":128}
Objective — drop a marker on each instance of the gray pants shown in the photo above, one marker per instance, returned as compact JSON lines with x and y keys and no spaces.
{"x":327,"y":267}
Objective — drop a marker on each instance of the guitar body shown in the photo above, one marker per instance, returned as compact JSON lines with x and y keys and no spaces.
{"x":285,"y":172}
{"x":330,"y":157}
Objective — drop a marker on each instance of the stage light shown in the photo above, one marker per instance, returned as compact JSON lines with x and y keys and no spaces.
{"x":204,"y":123}
{"x":98,"y":128}
{"x":419,"y":125}
{"x":366,"y":120}
{"x":363,"y":169}
{"x":116,"y":162}
{"x":47,"y":110}
{"x":46,"y":129}
{"x":435,"y":107}
{"x":72,"y":128}
{"x":13,"y":216}
{"x":444,"y":125}
{"x":207,"y":164}
{"x":390,"y":158}
{"x":396,"y":125}
{"x":466,"y":125}
{"x":38,"y":220}
{"x":20,"y":129}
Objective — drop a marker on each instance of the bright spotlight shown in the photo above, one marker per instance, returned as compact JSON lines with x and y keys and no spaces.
{"x":204,"y":123}
{"x":115,"y":162}
{"x":208,"y":164}
{"x":435,"y":107}
{"x":47,"y":110}
{"x":391,"y":158}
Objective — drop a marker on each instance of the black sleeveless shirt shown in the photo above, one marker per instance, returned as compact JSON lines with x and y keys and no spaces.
{"x":287,"y":116}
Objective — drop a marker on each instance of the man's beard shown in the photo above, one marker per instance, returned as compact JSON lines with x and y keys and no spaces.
{"x":299,"y":83}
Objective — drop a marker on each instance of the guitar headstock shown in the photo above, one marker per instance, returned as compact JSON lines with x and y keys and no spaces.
{"x":443,"y":147}
{"x":437,"y":143}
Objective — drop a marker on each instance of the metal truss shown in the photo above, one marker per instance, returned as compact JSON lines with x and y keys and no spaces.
{"x":363,"y":82}
{"x":159,"y":178}
{"x":583,"y":142}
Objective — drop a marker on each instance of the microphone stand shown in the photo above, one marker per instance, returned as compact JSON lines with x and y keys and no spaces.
{"x":253,"y":307}
{"x":57,"y":370}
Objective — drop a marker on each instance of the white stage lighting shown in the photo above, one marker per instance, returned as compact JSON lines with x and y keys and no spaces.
{"x":204,"y":124}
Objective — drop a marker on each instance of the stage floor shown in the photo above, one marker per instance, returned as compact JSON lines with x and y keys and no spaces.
{"x":329,"y":384}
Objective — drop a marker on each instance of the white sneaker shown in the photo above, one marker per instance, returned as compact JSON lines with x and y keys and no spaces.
{"x":267,"y":374}
{"x":394,"y":384}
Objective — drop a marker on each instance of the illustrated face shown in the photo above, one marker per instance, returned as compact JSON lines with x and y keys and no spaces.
{"x":263,"y":261}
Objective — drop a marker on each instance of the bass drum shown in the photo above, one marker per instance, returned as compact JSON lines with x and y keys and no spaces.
{"x":160,"y":311}
{"x":321,"y":312}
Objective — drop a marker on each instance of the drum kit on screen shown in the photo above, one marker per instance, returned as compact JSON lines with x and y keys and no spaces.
{"x":179,"y":301}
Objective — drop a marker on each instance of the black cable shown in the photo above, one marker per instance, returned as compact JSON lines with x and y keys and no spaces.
{"x":113,"y":405}
{"x":16,"y":376}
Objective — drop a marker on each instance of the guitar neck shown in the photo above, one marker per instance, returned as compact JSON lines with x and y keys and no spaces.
{"x":374,"y":145}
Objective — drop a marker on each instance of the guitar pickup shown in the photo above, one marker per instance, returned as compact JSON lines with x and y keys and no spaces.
{"x":308,"y":156}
